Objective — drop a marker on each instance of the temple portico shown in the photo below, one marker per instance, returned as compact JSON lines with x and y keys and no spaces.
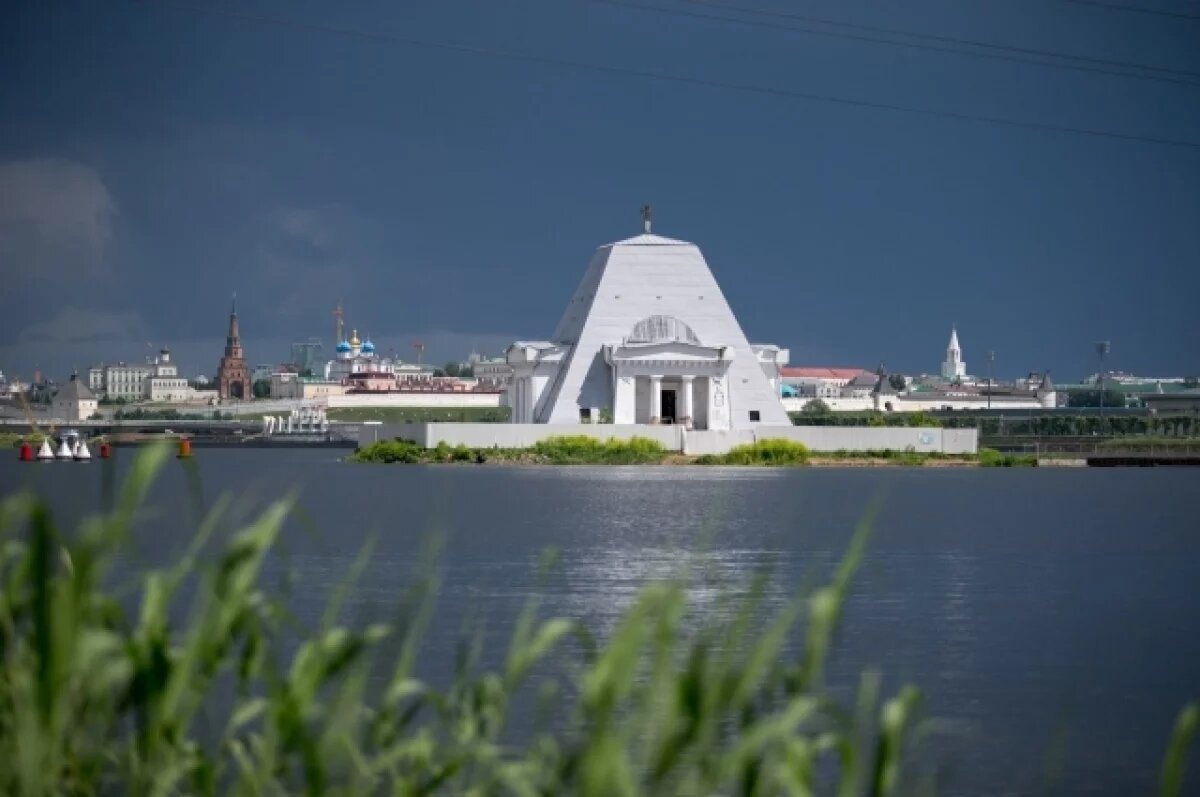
{"x":663,"y":399}
{"x":653,"y":389}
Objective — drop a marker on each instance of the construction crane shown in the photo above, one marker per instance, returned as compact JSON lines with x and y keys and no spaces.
{"x":33,"y":426}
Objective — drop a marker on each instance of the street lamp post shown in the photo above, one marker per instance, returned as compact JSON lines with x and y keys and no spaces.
{"x":991,"y":358}
{"x":1103,"y":347}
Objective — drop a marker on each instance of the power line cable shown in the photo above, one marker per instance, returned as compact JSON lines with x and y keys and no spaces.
{"x":940,"y":38}
{"x":903,"y":44}
{"x":1134,"y":10}
{"x":746,"y":88}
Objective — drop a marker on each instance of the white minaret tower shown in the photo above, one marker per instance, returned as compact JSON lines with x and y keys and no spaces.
{"x":954,"y":367}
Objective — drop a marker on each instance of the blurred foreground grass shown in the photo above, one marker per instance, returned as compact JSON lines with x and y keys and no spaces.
{"x":98,"y":700}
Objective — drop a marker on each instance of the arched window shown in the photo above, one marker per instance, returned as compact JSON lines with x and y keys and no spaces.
{"x":662,"y":329}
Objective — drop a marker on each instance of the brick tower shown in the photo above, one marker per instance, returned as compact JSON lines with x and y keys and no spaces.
{"x":232,"y":377}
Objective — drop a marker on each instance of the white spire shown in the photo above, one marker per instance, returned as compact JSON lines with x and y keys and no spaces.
{"x":954,"y":367}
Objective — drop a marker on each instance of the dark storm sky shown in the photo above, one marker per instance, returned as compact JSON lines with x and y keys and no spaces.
{"x":154,"y":158}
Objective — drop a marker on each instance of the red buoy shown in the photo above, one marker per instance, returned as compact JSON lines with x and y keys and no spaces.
{"x":105,"y":451}
{"x":26,"y":452}
{"x":185,"y":448}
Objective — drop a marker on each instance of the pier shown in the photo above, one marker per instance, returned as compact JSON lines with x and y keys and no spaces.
{"x":208,"y":433}
{"x":1105,"y":454}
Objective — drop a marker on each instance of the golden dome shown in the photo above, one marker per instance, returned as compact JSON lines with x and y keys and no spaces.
{"x":354,"y":341}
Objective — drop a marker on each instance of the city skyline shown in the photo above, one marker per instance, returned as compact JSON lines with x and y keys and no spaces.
{"x":154,"y":159}
{"x":448,"y":347}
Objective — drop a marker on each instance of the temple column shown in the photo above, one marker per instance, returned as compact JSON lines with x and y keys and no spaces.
{"x":624,"y":408}
{"x":685,"y":402}
{"x":656,"y":399}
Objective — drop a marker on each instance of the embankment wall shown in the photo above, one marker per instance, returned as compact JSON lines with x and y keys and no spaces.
{"x":676,"y":438}
{"x":415,"y":399}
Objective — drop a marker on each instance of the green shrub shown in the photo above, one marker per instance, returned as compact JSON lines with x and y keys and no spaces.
{"x":14,"y":439}
{"x":389,"y":451}
{"x":991,"y":458}
{"x":584,"y":450}
{"x":773,"y":452}
{"x":921,"y":419}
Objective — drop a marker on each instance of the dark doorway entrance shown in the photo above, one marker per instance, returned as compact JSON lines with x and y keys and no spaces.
{"x":668,"y":406}
{"x":236,"y":390}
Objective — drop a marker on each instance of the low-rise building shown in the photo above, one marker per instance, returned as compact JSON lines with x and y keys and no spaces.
{"x":207,"y":396}
{"x":124,"y":381}
{"x":287,"y":385}
{"x":772,"y":359}
{"x":74,"y":401}
{"x":262,"y":371}
{"x":370,"y":382}
{"x":164,"y":383}
{"x":492,"y":373}
{"x":823,"y":383}
{"x":1133,"y":391}
{"x":10,"y":387}
{"x":1177,"y":401}
{"x":156,"y":380}
{"x":954,"y":396}
{"x":412,"y":374}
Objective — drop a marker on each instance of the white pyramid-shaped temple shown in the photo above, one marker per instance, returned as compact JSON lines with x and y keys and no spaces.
{"x":648,"y":338}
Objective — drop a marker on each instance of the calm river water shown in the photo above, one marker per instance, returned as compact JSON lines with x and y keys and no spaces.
{"x":1052,"y":615}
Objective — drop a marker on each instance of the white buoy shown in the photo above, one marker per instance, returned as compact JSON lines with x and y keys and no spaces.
{"x":45,"y":453}
{"x":82,"y":454}
{"x":64,"y":450}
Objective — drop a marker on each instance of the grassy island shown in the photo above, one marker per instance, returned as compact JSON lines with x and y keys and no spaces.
{"x":583,"y":450}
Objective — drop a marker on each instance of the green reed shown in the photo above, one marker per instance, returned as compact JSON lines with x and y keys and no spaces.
{"x":95,"y":699}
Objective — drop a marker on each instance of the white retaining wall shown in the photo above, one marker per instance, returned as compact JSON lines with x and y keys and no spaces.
{"x":834,"y":404}
{"x":718,"y":441}
{"x":514,"y":435}
{"x":872,"y":438}
{"x":416,"y":399}
{"x":676,"y":438}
